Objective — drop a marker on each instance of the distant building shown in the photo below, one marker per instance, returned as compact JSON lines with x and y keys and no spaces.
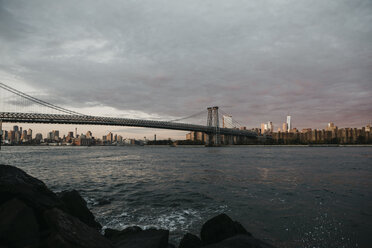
{"x":89,"y":135}
{"x":29,"y":134}
{"x":227,"y":121}
{"x":270,"y":127}
{"x":109,"y":137}
{"x":38,"y":137}
{"x":263,"y":128}
{"x":55,"y":135}
{"x":331,"y":126}
{"x":285,"y":127}
{"x":289,"y":123}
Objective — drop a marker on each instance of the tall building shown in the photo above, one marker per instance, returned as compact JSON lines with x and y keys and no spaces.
{"x":110,"y":137}
{"x":285,"y":127}
{"x":270,"y":127}
{"x":55,"y":135}
{"x":38,"y":137}
{"x":331,"y":126}
{"x":289,"y":123}
{"x":263,"y":129}
{"x":89,"y":135}
{"x":29,"y":134}
{"x":227,"y":121}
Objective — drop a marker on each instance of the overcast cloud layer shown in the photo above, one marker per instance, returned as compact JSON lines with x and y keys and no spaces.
{"x":259,"y":60}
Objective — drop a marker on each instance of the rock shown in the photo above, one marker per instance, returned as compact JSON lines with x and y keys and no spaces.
{"x":18,"y":225}
{"x":77,"y":206}
{"x":190,"y":241}
{"x":240,"y":241}
{"x":113,"y":234}
{"x":15,"y":183}
{"x":134,"y":237}
{"x":69,"y":231}
{"x":219,"y":228}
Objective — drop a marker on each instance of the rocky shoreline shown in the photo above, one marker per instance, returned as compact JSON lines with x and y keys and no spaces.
{"x":31,"y":215}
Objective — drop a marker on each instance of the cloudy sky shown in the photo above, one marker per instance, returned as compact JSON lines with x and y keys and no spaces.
{"x":258,"y":60}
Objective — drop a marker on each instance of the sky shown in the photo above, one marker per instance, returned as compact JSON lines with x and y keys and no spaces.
{"x":258,"y":60}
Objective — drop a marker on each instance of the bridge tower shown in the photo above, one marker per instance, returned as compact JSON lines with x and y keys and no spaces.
{"x":213,"y":121}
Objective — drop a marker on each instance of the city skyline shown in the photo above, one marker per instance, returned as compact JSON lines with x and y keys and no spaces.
{"x":151,"y":65}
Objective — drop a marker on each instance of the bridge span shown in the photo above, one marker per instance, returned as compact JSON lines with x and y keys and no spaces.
{"x":12,"y":117}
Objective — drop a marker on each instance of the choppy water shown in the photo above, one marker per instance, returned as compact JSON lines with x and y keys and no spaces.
{"x":289,"y":196}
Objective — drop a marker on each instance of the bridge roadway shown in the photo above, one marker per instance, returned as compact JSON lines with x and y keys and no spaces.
{"x":12,"y":117}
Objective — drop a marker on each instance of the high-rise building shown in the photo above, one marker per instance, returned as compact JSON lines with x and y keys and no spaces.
{"x":29,"y":134}
{"x":38,"y":137}
{"x":270,"y":127}
{"x":89,"y":135}
{"x":263,"y":129}
{"x":24,"y":135}
{"x":55,"y":135}
{"x":289,"y":123}
{"x":110,"y":137}
{"x":285,"y":127}
{"x":227,"y":121}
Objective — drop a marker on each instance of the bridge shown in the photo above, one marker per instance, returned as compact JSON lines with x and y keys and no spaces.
{"x":24,"y":114}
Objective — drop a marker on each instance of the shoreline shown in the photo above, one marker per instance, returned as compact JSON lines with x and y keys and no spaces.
{"x":31,"y":215}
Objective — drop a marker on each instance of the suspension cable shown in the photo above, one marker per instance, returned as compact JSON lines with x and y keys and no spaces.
{"x":38,"y":101}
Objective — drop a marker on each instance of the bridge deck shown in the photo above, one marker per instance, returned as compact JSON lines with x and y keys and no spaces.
{"x":109,"y":121}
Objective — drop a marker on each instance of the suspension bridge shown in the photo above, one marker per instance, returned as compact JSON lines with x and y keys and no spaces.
{"x":19,"y":107}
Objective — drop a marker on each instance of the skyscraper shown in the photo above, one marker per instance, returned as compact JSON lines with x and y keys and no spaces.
{"x":227,"y":121}
{"x":270,"y":126}
{"x":289,"y":124}
{"x":285,"y":127}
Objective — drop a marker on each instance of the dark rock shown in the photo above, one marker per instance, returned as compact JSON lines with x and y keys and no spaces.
{"x":15,"y":183}
{"x":190,"y":241}
{"x":18,"y":225}
{"x":239,"y":228}
{"x":219,"y":228}
{"x":134,"y":237}
{"x":69,"y":231}
{"x":114,"y":234}
{"x":240,"y":241}
{"x":77,"y":206}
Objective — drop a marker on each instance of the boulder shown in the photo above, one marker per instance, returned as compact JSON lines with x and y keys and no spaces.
{"x":135,"y":237}
{"x":69,"y":231}
{"x":15,"y":183}
{"x":219,"y":228}
{"x":190,"y":241}
{"x":18,"y":225}
{"x":240,"y":241}
{"x":76,"y":206}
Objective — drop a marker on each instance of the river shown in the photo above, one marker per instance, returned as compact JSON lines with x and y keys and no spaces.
{"x":288,"y":196}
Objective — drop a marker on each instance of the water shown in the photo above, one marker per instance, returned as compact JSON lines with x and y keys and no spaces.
{"x":289,"y":196}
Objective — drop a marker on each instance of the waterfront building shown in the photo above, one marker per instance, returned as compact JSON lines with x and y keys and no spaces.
{"x":55,"y":135}
{"x":89,"y":135}
{"x":263,"y":128}
{"x":270,"y":127}
{"x":285,"y":127}
{"x":289,"y":122}
{"x":29,"y":134}
{"x":227,"y":121}
{"x":109,"y":137}
{"x":38,"y":137}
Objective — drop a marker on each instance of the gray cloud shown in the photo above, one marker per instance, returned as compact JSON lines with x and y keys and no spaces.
{"x":264,"y":59}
